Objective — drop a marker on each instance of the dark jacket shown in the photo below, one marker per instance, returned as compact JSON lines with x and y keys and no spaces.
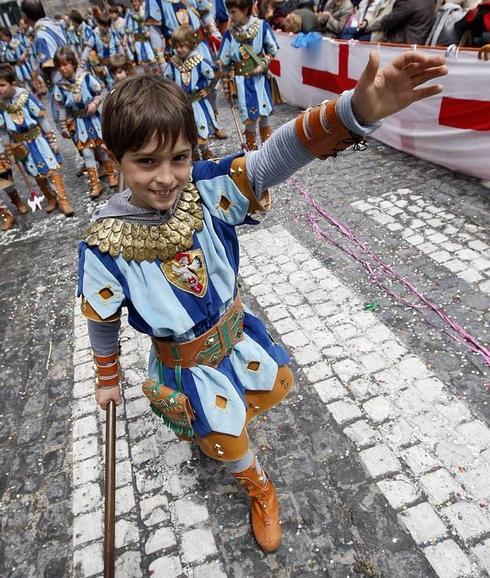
{"x":409,"y":22}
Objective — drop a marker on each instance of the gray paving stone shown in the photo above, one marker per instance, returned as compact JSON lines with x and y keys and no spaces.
{"x":482,"y":552}
{"x":423,"y":523}
{"x":468,"y":519}
{"x":380,"y":461}
{"x":197,"y":545}
{"x":448,"y":560}
{"x":168,"y":566}
{"x":440,"y":487}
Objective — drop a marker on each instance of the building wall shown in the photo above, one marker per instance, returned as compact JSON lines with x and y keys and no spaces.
{"x":52,"y":7}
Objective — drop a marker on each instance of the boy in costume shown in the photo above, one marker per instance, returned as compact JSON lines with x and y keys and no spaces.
{"x":189,"y":70}
{"x":247,"y":48}
{"x":167,"y":249}
{"x":78,"y":95}
{"x":139,"y":38}
{"x":33,"y":142}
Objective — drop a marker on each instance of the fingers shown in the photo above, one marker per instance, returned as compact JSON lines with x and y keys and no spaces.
{"x":369,"y":73}
{"x":426,"y":92}
{"x":414,"y":57}
{"x":427,"y":75}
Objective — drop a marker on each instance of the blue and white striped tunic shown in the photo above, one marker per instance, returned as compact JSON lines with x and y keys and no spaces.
{"x":40,"y":159}
{"x":160,"y":305}
{"x":172,"y":14}
{"x":199,"y":77}
{"x":88,"y":130}
{"x":253,"y":92}
{"x":135,"y":30}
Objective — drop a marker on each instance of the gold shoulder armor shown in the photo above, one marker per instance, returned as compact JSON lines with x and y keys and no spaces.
{"x":150,"y":242}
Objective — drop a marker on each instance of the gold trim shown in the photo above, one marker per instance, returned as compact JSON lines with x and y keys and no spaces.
{"x":15,"y":110}
{"x":249,"y":34}
{"x":150,"y":242}
{"x":188,"y":64}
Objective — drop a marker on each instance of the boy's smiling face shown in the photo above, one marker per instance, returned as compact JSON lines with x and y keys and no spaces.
{"x":156,"y":176}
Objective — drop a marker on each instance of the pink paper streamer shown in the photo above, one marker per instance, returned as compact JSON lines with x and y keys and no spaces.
{"x":460,"y":335}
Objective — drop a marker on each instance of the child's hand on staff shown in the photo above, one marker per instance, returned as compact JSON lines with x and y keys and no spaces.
{"x":106,"y":394}
{"x":379,"y":93}
{"x":91,"y":109}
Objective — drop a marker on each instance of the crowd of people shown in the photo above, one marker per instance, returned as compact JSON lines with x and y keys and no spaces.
{"x":397,"y":21}
{"x":75,"y":59}
{"x":78,"y":57}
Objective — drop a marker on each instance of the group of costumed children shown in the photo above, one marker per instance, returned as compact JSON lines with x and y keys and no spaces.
{"x":100,"y":56}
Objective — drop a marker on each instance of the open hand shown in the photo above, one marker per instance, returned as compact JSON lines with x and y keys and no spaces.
{"x":379,"y":93}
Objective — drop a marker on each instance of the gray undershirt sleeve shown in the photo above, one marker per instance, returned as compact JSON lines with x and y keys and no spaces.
{"x":283,"y":154}
{"x":104,"y":336}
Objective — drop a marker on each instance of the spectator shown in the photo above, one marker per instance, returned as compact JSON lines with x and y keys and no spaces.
{"x":334,"y":15}
{"x":475,"y":26}
{"x":302,"y":20}
{"x":276,"y":12}
{"x":371,"y":20}
{"x":409,"y":22}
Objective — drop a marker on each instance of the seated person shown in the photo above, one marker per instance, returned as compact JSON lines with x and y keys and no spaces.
{"x":333,"y":16}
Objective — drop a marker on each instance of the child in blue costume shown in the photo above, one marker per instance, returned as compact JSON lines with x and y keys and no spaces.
{"x":99,"y":47}
{"x":247,"y":48}
{"x":167,"y":250}
{"x":32,"y":141}
{"x":189,"y":70}
{"x":138,"y":36}
{"x":78,"y":95}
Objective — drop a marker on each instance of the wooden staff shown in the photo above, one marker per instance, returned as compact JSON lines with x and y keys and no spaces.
{"x":110,"y":489}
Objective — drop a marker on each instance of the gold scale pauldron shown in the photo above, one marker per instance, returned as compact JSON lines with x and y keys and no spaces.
{"x":149,"y":242}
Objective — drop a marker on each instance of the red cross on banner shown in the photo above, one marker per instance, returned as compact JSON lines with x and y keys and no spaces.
{"x":336,"y":83}
{"x":464,"y":113}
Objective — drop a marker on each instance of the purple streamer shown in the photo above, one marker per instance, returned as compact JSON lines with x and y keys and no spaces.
{"x":461,"y":334}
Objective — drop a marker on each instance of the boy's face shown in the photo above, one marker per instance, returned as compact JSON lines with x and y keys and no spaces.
{"x":238,"y":15}
{"x":103,"y":28}
{"x":66,"y":68}
{"x":136,"y":4}
{"x":155,"y":176}
{"x":120,"y":74}
{"x":7,"y":88}
{"x":182,"y":50}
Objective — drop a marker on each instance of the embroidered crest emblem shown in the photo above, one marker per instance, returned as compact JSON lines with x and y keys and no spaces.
{"x":187,"y":271}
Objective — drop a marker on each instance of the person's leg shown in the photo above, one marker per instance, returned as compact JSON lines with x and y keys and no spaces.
{"x":58,"y":185}
{"x":265,"y":129}
{"x":8,"y":220}
{"x":51,"y":200}
{"x":239,"y":459}
{"x":250,"y":129}
{"x":260,"y":401}
{"x":96,"y":188}
{"x":109,"y":166}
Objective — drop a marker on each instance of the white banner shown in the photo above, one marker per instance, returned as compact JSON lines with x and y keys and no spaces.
{"x":451,"y":129}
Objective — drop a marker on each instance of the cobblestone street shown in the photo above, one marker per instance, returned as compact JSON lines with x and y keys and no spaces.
{"x":381,"y":453}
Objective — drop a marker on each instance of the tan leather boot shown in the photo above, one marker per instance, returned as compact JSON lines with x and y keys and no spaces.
{"x":265,"y":133}
{"x":111,"y":173}
{"x":264,"y":510}
{"x":18,"y":202}
{"x":96,"y":188}
{"x":220,"y":134}
{"x":51,"y":200}
{"x":250,"y":140}
{"x":59,"y":188}
{"x":7,"y":218}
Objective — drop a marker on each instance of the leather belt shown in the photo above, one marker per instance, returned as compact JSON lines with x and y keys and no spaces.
{"x":210,"y":348}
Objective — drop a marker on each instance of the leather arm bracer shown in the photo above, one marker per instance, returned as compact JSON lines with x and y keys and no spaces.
{"x":108,"y":370}
{"x":321,"y":133}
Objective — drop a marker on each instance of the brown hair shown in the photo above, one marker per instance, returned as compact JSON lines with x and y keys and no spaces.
{"x":142,"y":107}
{"x":67,"y":54}
{"x":292,"y":23}
{"x":119,"y":62}
{"x":7,"y":73}
{"x":240,"y":4}
{"x":184,"y":35}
